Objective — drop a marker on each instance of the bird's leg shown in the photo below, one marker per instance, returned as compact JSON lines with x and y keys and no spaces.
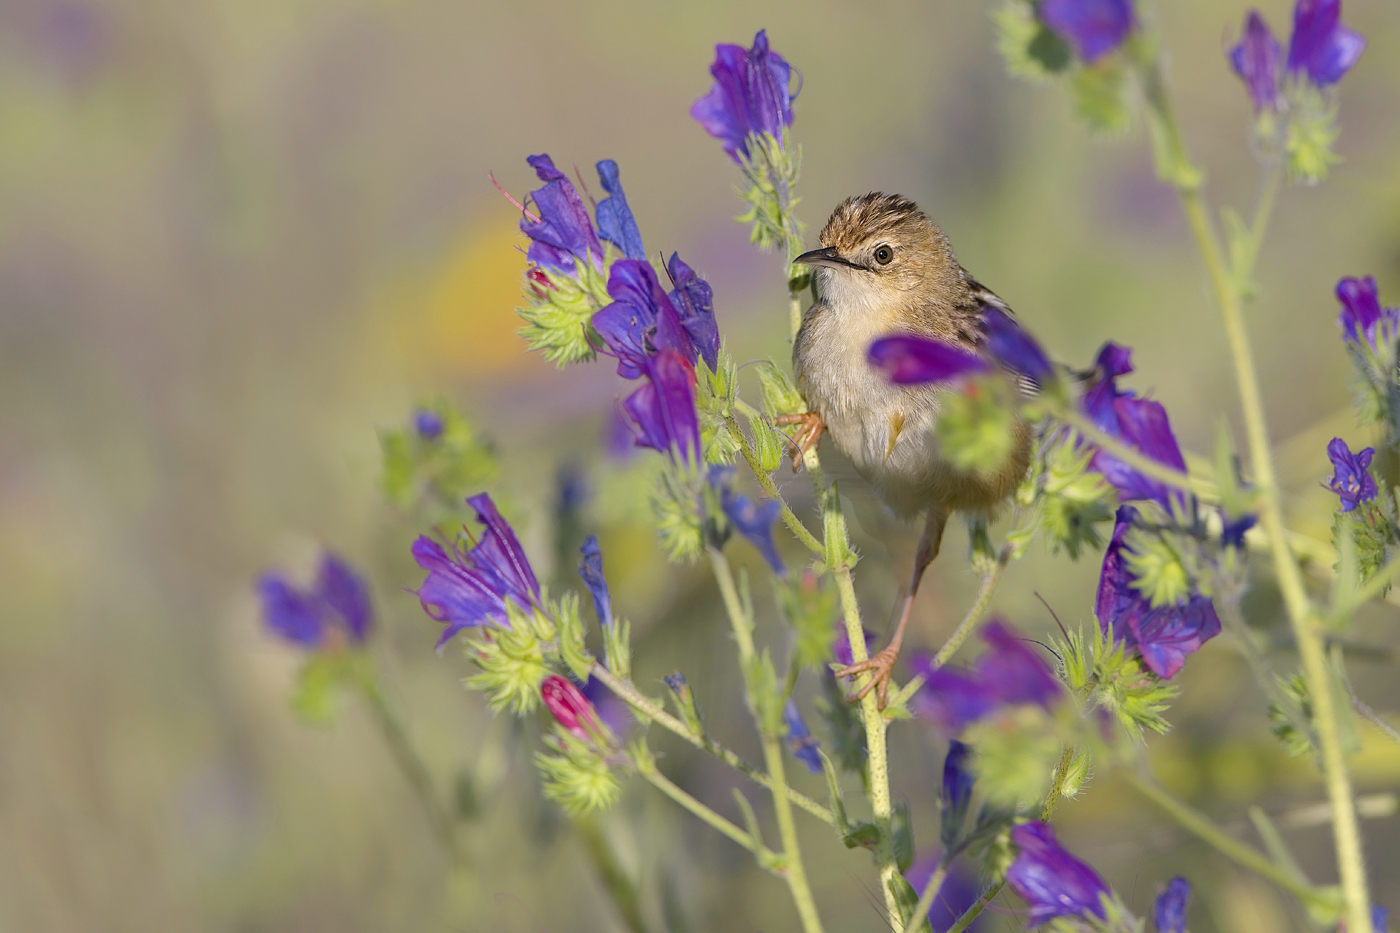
{"x":881,"y":666}
{"x":809,"y":432}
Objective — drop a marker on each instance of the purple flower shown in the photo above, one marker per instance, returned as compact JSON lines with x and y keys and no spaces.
{"x":663,"y":409}
{"x":470,"y":588}
{"x":750,"y":95}
{"x":1171,"y":906}
{"x":1139,"y":422}
{"x":1379,"y":916}
{"x":615,"y":221}
{"x":1009,"y":674}
{"x":958,"y":781}
{"x":564,"y":232}
{"x":1351,"y":475}
{"x":337,"y":606}
{"x":1257,"y":59}
{"x":428,"y":424}
{"x":592,"y":572}
{"x":1053,"y":882}
{"x":612,"y":712}
{"x":641,"y":320}
{"x":1009,"y":343}
{"x":1362,"y":318}
{"x":959,"y":892}
{"x":755,"y":522}
{"x":1093,"y":27}
{"x":906,"y":359}
{"x":694,"y":301}
{"x":1321,"y":47}
{"x":799,"y":738}
{"x":1163,"y":636}
{"x":1232,"y":531}
{"x":841,"y":646}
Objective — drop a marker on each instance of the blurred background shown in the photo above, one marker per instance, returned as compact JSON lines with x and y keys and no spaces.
{"x":240,"y":239}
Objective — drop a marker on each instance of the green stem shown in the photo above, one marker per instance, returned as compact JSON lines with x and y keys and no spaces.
{"x":979,"y":608}
{"x":630,"y":695}
{"x":1346,"y":833}
{"x":412,"y":767}
{"x":921,"y":909}
{"x":665,"y":785}
{"x":1203,"y":490}
{"x":772,"y":749}
{"x":611,"y":873}
{"x":770,"y":489}
{"x":1228,"y":846}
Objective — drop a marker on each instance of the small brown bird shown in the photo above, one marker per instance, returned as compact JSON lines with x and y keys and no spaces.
{"x":885,"y":268}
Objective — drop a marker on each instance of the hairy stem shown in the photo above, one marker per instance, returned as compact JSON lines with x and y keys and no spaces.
{"x":979,"y":608}
{"x":770,"y":489}
{"x":1136,"y":459}
{"x":670,"y":789}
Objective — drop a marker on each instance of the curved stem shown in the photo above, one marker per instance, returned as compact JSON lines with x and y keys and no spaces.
{"x":670,"y":789}
{"x":770,"y":489}
{"x":978,"y":610}
{"x":1203,"y":490}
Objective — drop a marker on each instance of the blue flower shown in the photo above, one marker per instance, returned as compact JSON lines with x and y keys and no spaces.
{"x":799,"y":738}
{"x":469,"y":588}
{"x":1171,"y":906}
{"x":1257,"y":60}
{"x":750,"y":96}
{"x":1351,"y":474}
{"x":1094,"y":27}
{"x":752,"y":520}
{"x":907,"y":360}
{"x":1362,"y":319}
{"x":694,"y":301}
{"x":1009,"y":674}
{"x":1139,"y":422}
{"x":592,"y":572}
{"x":1163,"y":636}
{"x":1053,"y":882}
{"x":1379,"y":917}
{"x":958,"y":781}
{"x":1009,"y":343}
{"x":337,"y":606}
{"x":428,"y":424}
{"x":662,"y":411}
{"x":615,"y":221}
{"x":563,"y":232}
{"x":1322,"y":48}
{"x":1232,"y":531}
{"x":959,"y":892}
{"x":641,"y":320}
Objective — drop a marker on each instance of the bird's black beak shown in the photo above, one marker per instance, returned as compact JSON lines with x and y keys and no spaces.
{"x":827,"y":256}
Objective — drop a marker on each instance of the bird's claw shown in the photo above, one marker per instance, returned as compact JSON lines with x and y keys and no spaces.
{"x":809,"y":432}
{"x":881,"y":667}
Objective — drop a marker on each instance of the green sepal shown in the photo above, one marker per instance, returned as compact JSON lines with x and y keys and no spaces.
{"x":780,"y":395}
{"x":976,"y":426}
{"x":764,"y":693}
{"x":1101,"y":672}
{"x":1158,"y":567}
{"x":1311,"y":133}
{"x":809,"y":605}
{"x":676,"y":508}
{"x":1016,"y":755}
{"x":902,"y":835}
{"x":714,"y":406}
{"x":558,"y":318}
{"x":772,"y":168}
{"x":512,"y":664}
{"x":617,"y":648}
{"x":1029,"y":48}
{"x":839,"y":553}
{"x":1103,"y":96}
{"x":767,"y":443}
{"x":906,"y":899}
{"x":687,"y":708}
{"x":862,"y":835}
{"x":323,"y":675}
{"x":571,"y":636}
{"x":577,"y":777}
{"x":835,"y":798}
{"x":1074,"y":500}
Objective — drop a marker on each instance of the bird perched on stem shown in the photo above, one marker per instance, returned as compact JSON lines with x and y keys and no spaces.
{"x":884,"y":268}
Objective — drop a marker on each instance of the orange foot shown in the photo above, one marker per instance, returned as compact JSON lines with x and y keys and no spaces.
{"x":807,"y":435}
{"x":881,"y":666}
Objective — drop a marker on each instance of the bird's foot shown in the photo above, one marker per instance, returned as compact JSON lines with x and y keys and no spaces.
{"x":881,"y":667}
{"x":808,"y":433}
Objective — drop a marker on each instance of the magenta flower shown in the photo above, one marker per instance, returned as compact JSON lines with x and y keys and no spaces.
{"x":1351,"y":474}
{"x":1322,"y":48}
{"x":1140,"y":422}
{"x":1094,"y":27}
{"x":641,"y":320}
{"x":1163,"y":636}
{"x":1008,"y":342}
{"x":1257,"y":59}
{"x":1007,"y":675}
{"x":570,"y":707}
{"x":694,"y":301}
{"x":750,"y":95}
{"x":336,"y":606}
{"x":959,"y":892}
{"x":428,"y":424}
{"x":468,"y":588}
{"x":906,"y":359}
{"x":1053,"y":882}
{"x":1362,"y":319}
{"x":751,"y":519}
{"x":958,"y":781}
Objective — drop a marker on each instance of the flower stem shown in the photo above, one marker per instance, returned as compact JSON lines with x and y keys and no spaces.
{"x":1301,"y":613}
{"x":667,"y":787}
{"x":770,"y":489}
{"x":921,"y":909}
{"x":772,"y":750}
{"x":1202,"y":489}
{"x":610,"y":871}
{"x":979,"y":608}
{"x":630,"y":695}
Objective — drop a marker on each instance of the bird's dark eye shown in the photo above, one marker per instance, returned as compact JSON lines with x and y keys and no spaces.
{"x":883,"y":255}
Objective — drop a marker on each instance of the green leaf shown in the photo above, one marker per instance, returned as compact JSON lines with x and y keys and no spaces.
{"x":767,"y":443}
{"x":571,"y":631}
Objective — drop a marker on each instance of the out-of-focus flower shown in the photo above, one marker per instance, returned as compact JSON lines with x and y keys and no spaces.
{"x":663,"y":409}
{"x":1351,"y":475}
{"x":1009,"y":674}
{"x":612,"y":712}
{"x":958,"y":781}
{"x":1163,"y":636}
{"x":1257,"y":60}
{"x":1232,"y":531}
{"x":1141,"y":423}
{"x":570,"y":707}
{"x":1053,"y":882}
{"x":906,"y":360}
{"x":959,"y":892}
{"x":841,"y":645}
{"x":1009,"y":343}
{"x":1171,"y":906}
{"x":470,"y":588}
{"x":1094,"y":27}
{"x":338,"y":603}
{"x":754,"y":521}
{"x":694,"y":301}
{"x":750,"y":96}
{"x":592,"y":572}
{"x":563,"y":232}
{"x":428,"y":424}
{"x":799,"y":738}
{"x":641,"y":321}
{"x":615,"y":221}
{"x":1322,"y":48}
{"x":1362,"y":319}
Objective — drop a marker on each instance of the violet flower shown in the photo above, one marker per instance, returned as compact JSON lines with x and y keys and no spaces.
{"x":1257,"y":59}
{"x":1362,"y":319}
{"x":694,"y":301}
{"x":1171,"y":906}
{"x":1053,"y":882}
{"x":469,"y":588}
{"x":841,"y":645}
{"x":750,"y":96}
{"x":1322,"y":48}
{"x":959,"y":892}
{"x":615,"y":221}
{"x":613,"y":712}
{"x":1094,"y":27}
{"x":906,"y":359}
{"x":337,"y":606}
{"x":1139,"y":422}
{"x":1007,"y":675}
{"x":428,"y":424}
{"x":592,"y":572}
{"x":799,"y":738}
{"x":1351,"y":475}
{"x":564,"y":232}
{"x":662,"y":411}
{"x":1163,"y":636}
{"x":641,"y":320}
{"x":754,"y":521}
{"x":958,"y":781}
{"x":1014,"y":347}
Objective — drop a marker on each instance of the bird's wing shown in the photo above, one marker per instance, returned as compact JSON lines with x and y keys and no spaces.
{"x":990,"y":299}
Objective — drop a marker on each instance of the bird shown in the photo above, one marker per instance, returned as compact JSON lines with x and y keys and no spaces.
{"x":885,"y":268}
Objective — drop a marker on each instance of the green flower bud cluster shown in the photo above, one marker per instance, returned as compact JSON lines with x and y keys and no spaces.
{"x":560,"y":308}
{"x":715,"y":392}
{"x":438,"y":471}
{"x":1067,"y":500}
{"x":577,"y":776}
{"x":976,"y":426}
{"x":514,"y":661}
{"x":1104,"y":675}
{"x":772,"y":167}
